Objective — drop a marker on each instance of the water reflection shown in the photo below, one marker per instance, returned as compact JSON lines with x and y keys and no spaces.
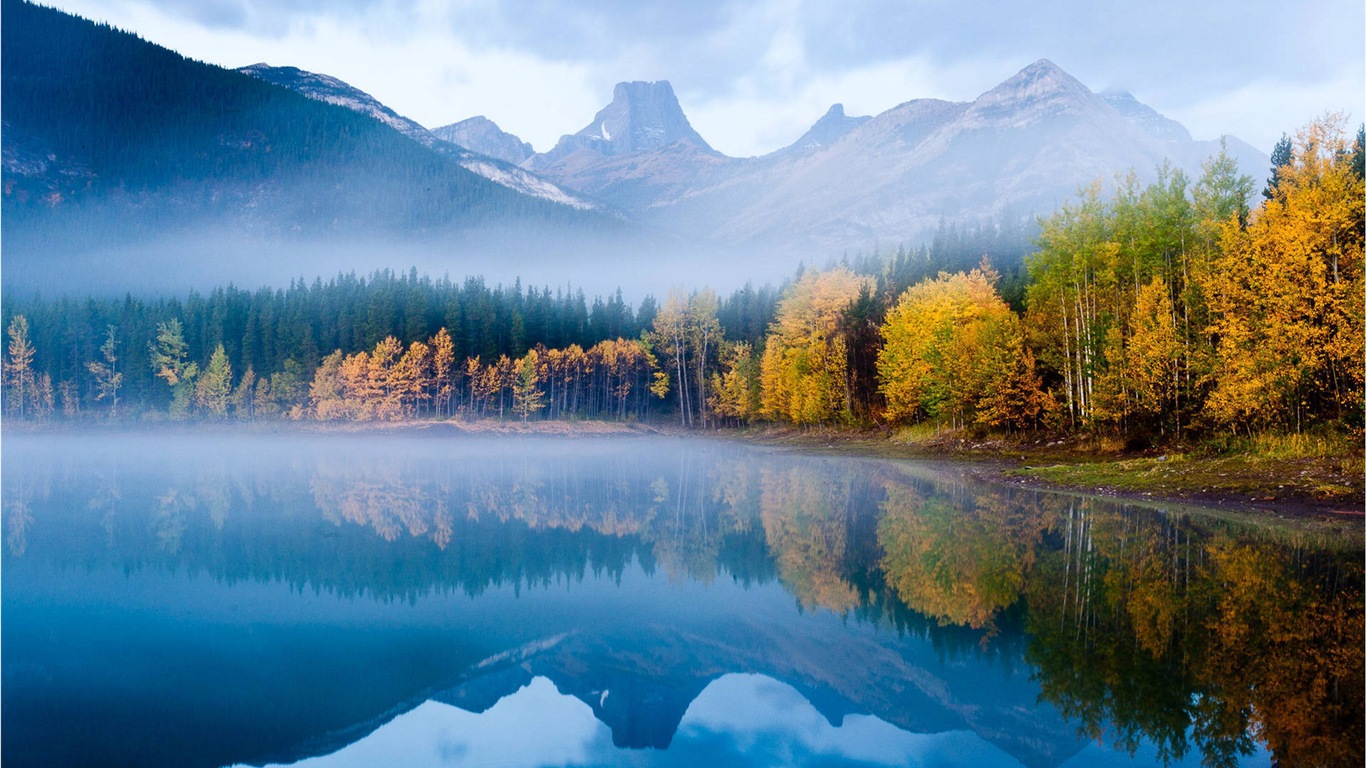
{"x":737,"y":719}
{"x":324,"y":592}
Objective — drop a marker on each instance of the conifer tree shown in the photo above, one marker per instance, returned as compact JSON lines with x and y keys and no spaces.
{"x":1281,"y":156}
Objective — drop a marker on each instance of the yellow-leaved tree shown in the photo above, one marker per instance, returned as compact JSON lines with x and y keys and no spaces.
{"x":804,"y":370}
{"x":951,"y":346}
{"x":1286,"y":295}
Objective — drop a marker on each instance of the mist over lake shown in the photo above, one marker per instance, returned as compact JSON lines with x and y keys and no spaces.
{"x":236,"y":598}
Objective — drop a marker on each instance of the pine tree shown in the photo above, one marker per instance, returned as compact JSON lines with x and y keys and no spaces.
{"x":1281,"y":156}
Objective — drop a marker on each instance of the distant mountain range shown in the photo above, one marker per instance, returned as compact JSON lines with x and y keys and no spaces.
{"x":110,"y":142}
{"x":1021,"y":148}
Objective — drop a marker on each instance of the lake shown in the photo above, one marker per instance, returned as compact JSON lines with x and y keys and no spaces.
{"x":223,"y":599}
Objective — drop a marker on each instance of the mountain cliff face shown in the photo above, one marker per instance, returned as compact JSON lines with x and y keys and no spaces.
{"x":482,"y":135}
{"x":642,"y":117}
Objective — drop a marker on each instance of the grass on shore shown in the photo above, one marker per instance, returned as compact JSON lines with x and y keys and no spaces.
{"x":1317,"y":470}
{"x":1310,"y":471}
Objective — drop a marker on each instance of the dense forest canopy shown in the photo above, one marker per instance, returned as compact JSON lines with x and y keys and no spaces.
{"x":1148,"y":313}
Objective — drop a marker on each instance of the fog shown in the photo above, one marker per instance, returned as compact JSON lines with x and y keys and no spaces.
{"x":96,"y":257}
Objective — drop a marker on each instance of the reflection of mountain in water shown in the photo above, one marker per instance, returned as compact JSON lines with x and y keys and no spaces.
{"x":354,"y":581}
{"x":736,"y":720}
{"x":643,"y":683}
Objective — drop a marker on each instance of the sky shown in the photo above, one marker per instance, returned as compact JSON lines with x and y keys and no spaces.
{"x":752,"y":75}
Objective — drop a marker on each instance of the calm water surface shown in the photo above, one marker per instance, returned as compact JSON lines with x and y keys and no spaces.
{"x":216,"y":600}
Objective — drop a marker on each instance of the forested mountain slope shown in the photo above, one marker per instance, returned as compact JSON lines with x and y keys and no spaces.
{"x":112,"y":141}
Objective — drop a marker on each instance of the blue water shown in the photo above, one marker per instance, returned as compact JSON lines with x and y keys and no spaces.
{"x":253,"y":599}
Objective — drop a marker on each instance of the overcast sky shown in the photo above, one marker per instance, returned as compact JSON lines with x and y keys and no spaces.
{"x":752,"y":75}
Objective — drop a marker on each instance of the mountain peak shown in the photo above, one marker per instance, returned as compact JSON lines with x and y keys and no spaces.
{"x":1040,"y":89}
{"x":1043,"y":65}
{"x":642,"y":116}
{"x":482,"y":135}
{"x":1043,"y":75}
{"x":827,"y":130}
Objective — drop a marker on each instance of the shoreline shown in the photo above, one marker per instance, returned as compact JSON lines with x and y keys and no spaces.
{"x":1059,"y":465}
{"x":1081,"y":471}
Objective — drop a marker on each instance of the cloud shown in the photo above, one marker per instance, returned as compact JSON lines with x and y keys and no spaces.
{"x":1272,"y":106}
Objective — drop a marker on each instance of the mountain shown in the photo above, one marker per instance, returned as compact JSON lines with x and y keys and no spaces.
{"x":642,"y":117}
{"x":1022,"y":148}
{"x":639,"y":150}
{"x":128,"y":166}
{"x":333,"y":91}
{"x":500,"y":171}
{"x":482,"y":135}
{"x":1145,"y":117}
{"x":826,"y":130}
{"x":120,"y":152}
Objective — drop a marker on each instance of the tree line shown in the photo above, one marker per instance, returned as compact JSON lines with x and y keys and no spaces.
{"x":1146,"y":311}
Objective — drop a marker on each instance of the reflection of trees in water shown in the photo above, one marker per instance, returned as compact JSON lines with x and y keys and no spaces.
{"x":397,"y":528}
{"x":1190,"y":633}
{"x":805,"y":515}
{"x":959,"y":557}
{"x":21,"y":491}
{"x":1151,"y":626}
{"x":18,"y":517}
{"x":1140,"y":625}
{"x":376,"y":498}
{"x":168,"y":519}
{"x":1286,"y":645}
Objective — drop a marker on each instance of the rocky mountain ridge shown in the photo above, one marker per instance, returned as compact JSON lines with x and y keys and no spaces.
{"x":499,"y":170}
{"x":1021,"y":148}
{"x":482,"y":135}
{"x":827,"y":130}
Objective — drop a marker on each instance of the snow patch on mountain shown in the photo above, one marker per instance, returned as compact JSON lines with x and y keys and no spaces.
{"x":525,"y":182}
{"x":329,"y":89}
